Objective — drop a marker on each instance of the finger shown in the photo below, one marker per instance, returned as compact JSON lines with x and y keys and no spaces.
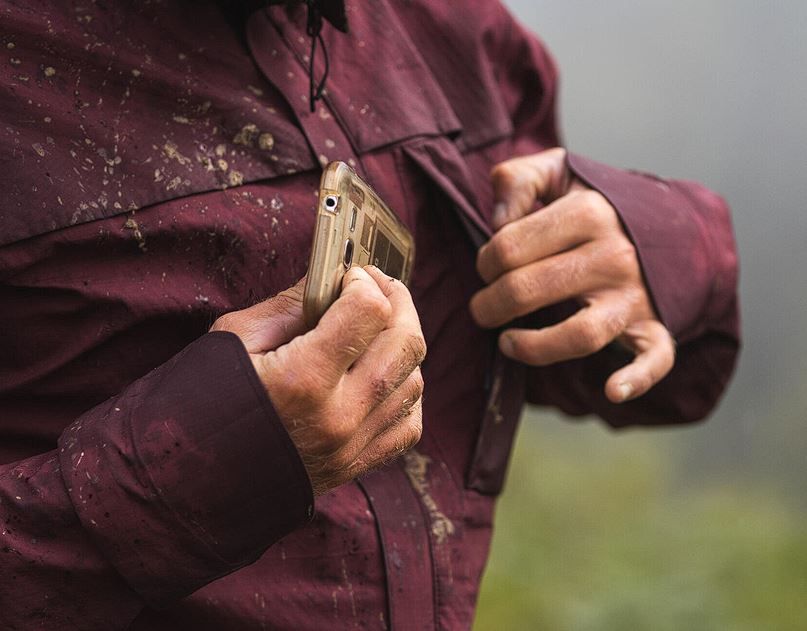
{"x":398,"y":437}
{"x":348,"y":327}
{"x":655,"y":357}
{"x":390,"y":412}
{"x":519,"y":182}
{"x":521,"y":291}
{"x":586,"y":332}
{"x":397,"y":440}
{"x":395,"y":353}
{"x":393,"y":427}
{"x":268,"y":324}
{"x":567,"y":222}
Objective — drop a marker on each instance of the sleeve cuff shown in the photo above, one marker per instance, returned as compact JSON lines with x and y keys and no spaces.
{"x":669,"y":236}
{"x":188,"y":474}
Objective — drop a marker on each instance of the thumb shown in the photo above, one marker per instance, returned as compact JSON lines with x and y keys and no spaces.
{"x":519,"y":182}
{"x":268,"y":324}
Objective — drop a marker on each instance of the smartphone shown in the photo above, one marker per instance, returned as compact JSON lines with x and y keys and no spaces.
{"x":354,"y":227}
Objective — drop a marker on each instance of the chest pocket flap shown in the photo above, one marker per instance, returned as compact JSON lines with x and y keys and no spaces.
{"x":97,"y":122}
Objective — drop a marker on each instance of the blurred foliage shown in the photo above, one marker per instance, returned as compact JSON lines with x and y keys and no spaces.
{"x":598,"y":531}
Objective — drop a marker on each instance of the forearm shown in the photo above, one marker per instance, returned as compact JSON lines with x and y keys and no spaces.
{"x":184,"y":477}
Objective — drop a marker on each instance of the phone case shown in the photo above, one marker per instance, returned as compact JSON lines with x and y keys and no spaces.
{"x":354,"y":227}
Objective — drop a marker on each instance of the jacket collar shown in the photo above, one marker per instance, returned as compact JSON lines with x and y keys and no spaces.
{"x":331,"y":10}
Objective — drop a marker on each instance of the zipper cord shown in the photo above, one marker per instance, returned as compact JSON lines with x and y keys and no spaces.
{"x":314,"y":31}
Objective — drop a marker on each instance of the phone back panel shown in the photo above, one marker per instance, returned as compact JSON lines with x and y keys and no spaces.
{"x":354,"y":227}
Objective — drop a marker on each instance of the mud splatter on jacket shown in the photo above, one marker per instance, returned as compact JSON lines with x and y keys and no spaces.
{"x":158,"y":167}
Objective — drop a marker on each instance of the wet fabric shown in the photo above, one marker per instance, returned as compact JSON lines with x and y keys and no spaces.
{"x":160,"y":163}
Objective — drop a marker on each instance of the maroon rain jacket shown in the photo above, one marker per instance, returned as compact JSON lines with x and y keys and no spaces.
{"x":158,"y":167}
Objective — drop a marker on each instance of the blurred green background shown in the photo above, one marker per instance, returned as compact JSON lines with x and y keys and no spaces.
{"x":598,"y":533}
{"x":701,"y":528}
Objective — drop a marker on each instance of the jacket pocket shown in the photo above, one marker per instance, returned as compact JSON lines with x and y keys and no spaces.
{"x":95,"y":135}
{"x":441,"y":162}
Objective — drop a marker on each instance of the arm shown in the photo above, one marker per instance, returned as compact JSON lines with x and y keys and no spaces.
{"x":192,"y":472}
{"x":683,"y":241}
{"x":144,"y":501}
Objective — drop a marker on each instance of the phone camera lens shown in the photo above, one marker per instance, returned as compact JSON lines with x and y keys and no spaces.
{"x":348,"y":258}
{"x":331,"y":202}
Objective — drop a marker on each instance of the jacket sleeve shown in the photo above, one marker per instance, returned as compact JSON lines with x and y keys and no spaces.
{"x":185,"y":476}
{"x":683,"y":236}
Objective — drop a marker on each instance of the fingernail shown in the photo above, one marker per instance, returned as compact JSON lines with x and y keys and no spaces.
{"x":506,"y":345}
{"x":499,"y":214}
{"x":353,"y":274}
{"x":379,"y":271}
{"x":625,"y":391}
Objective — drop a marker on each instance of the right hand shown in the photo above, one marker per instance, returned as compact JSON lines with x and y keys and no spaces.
{"x":349,"y":390}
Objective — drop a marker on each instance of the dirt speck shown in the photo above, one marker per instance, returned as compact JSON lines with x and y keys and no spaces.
{"x":266,"y":141}
{"x":171,"y":152}
{"x":235,"y":178}
{"x":247,"y":135}
{"x":173,"y":183}
{"x":131,"y":224}
{"x":50,"y":71}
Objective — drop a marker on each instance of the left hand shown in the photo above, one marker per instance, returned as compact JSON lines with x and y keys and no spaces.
{"x":573,"y":248}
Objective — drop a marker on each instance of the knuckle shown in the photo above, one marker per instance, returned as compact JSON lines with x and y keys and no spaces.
{"x":420,"y":384}
{"x":623,"y":256}
{"x":556,"y":153}
{"x":504,"y":248}
{"x":414,"y":388}
{"x":593,"y":207}
{"x":395,"y":286}
{"x":378,"y":307}
{"x":614,"y":322}
{"x":371,"y":305}
{"x":415,"y":349}
{"x":381,"y":388}
{"x":504,"y":173}
{"x":226,"y":322}
{"x":285,"y":302}
{"x":517,"y":289}
{"x":589,"y":337}
{"x":412,"y":431}
{"x":635,"y":300}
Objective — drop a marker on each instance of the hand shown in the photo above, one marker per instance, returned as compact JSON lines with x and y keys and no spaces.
{"x":349,"y":390}
{"x":573,"y":248}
